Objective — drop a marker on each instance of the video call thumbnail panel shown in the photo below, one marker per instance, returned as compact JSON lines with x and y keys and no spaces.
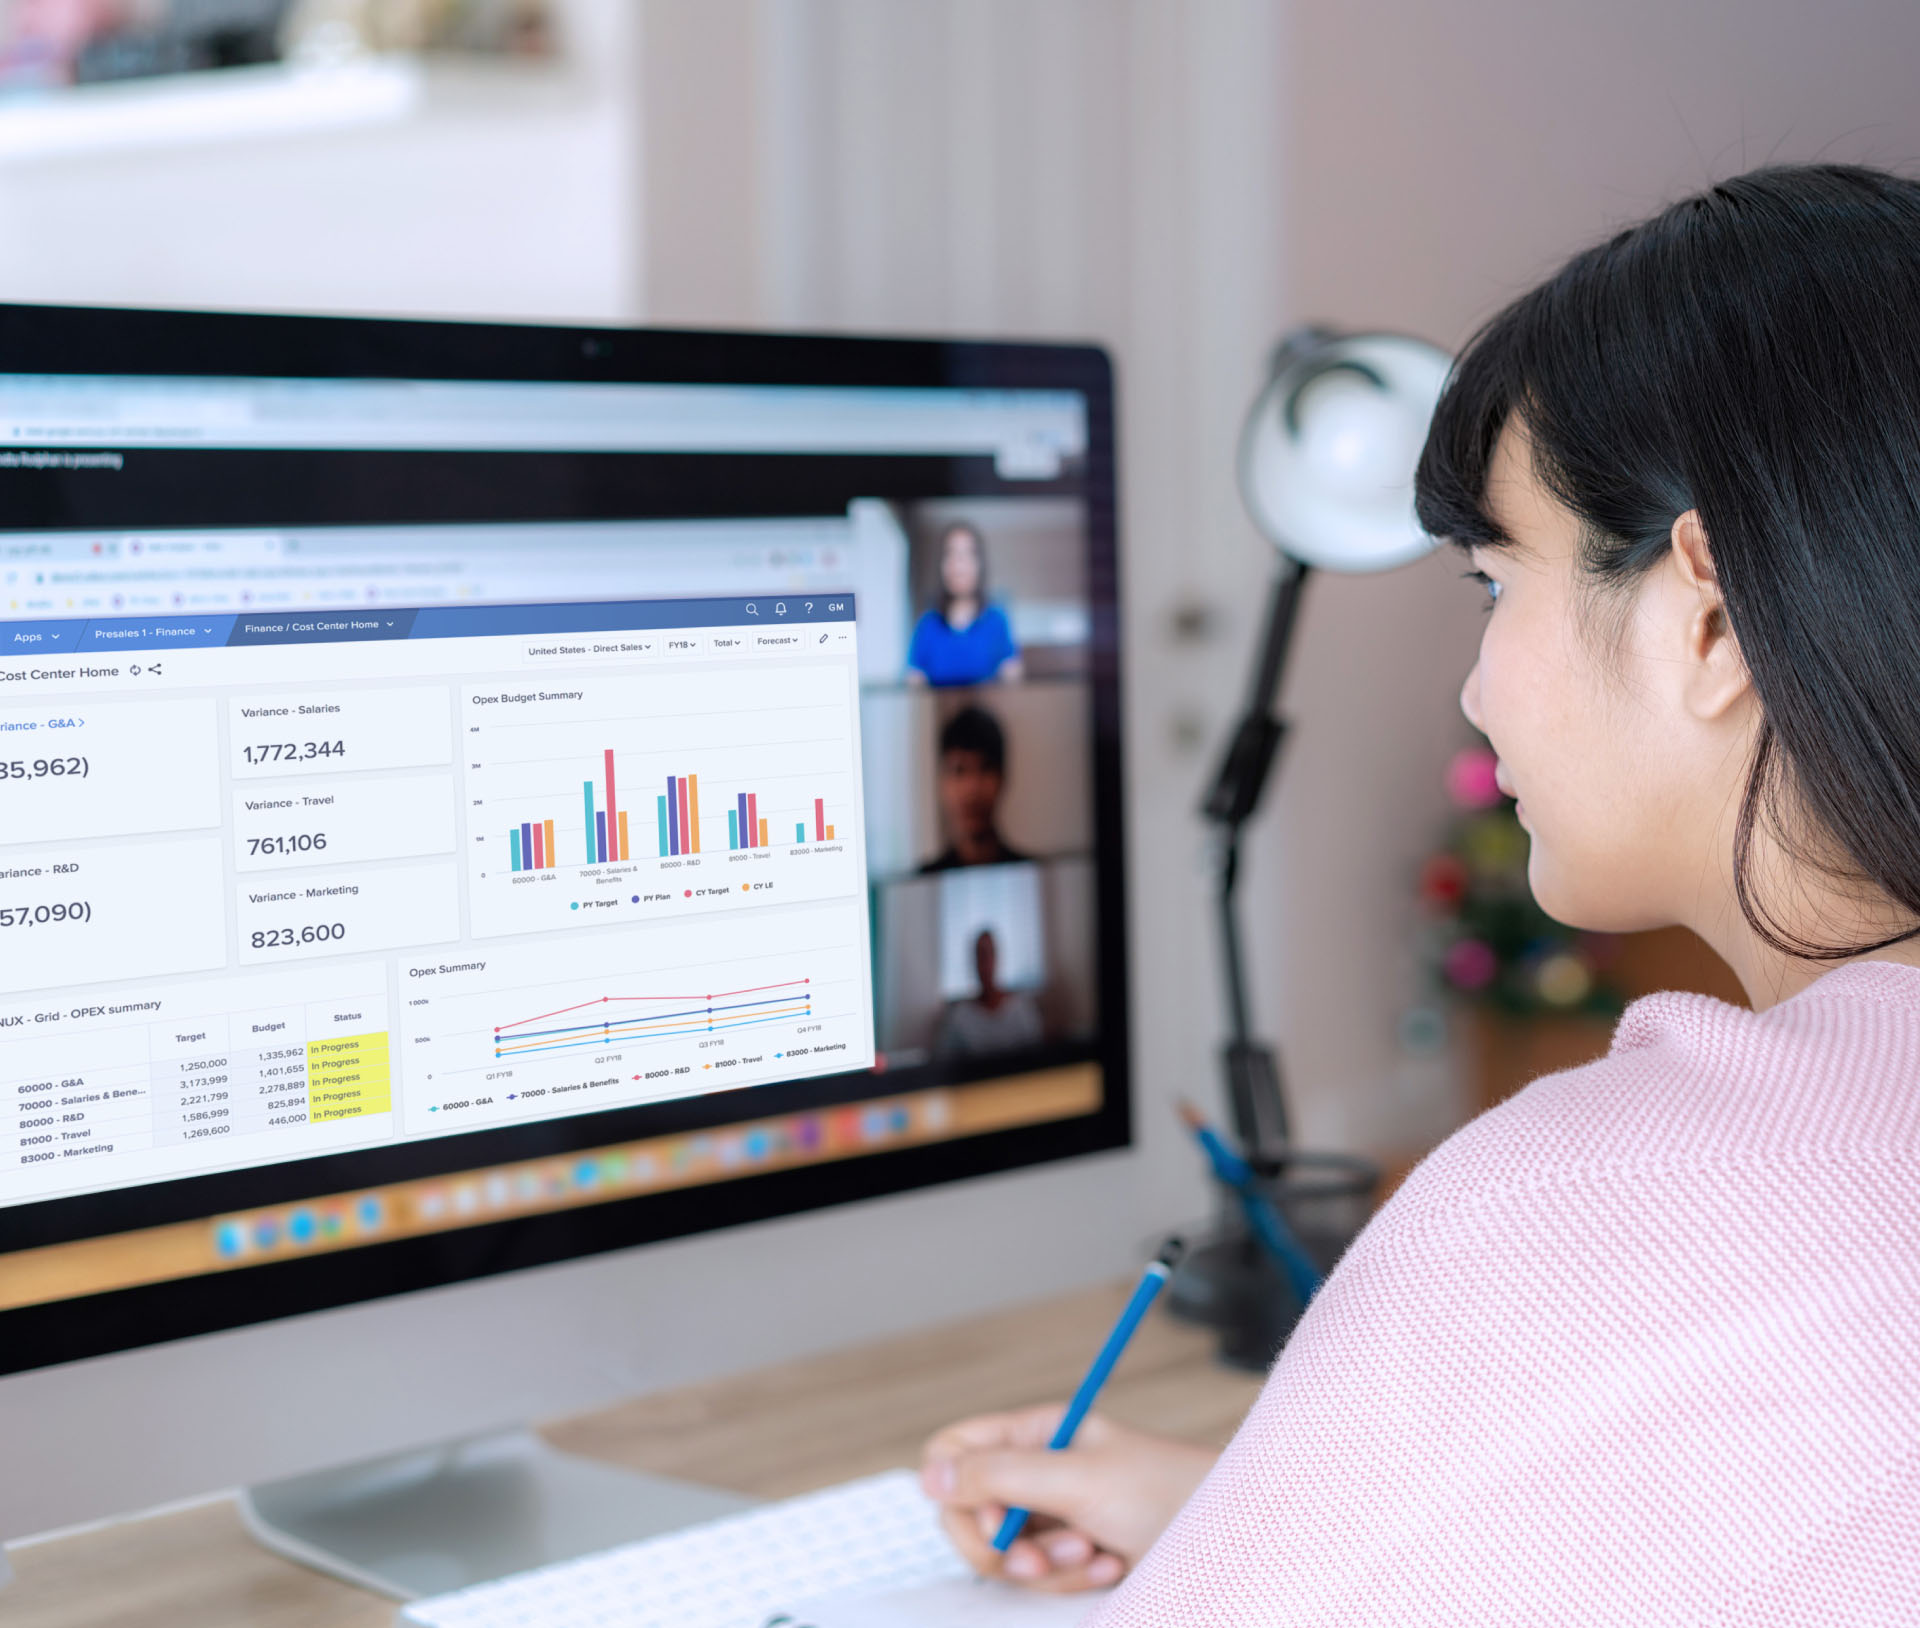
{"x":979,"y":780}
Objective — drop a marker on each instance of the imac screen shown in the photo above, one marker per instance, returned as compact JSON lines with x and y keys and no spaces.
{"x":446,"y":827}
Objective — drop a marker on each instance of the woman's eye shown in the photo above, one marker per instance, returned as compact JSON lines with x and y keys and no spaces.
{"x":1486,"y":582}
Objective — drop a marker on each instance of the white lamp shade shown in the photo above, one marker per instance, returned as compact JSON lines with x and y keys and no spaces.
{"x":1328,"y":453}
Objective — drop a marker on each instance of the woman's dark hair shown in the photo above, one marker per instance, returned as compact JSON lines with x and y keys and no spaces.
{"x":1752,"y":353}
{"x":965,"y":528}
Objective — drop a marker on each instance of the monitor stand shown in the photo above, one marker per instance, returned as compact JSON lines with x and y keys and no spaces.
{"x":462,"y":1512}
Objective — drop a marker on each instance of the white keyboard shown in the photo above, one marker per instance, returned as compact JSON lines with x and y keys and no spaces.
{"x":738,"y":1572}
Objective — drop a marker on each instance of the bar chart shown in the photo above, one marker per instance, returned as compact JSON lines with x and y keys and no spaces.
{"x":533,"y":846}
{"x":637,"y":796}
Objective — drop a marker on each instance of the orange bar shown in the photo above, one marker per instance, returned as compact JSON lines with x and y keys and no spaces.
{"x":623,"y":833}
{"x":549,"y":851}
{"x":829,"y":833}
{"x":693,"y":813}
{"x":763,"y":833}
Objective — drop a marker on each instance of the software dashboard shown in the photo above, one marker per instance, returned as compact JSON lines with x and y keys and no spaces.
{"x":285,"y":883}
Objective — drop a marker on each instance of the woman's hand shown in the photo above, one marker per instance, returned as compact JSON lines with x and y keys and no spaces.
{"x":1097,"y":1506}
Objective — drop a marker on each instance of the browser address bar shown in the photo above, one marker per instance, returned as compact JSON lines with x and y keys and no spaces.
{"x":1019,"y":428}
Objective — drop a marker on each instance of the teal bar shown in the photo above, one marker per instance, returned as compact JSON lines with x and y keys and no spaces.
{"x":513,"y":847}
{"x":800,"y":832}
{"x":593,"y":847}
{"x":666,"y":842}
{"x":733,"y":829}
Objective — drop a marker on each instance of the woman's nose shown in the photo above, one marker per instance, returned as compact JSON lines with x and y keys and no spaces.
{"x":1470,"y":698}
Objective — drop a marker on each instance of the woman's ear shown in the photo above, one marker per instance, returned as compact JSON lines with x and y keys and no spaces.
{"x":1717,"y":678}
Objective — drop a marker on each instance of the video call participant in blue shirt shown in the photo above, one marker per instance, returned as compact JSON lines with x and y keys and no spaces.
{"x":964,"y":639}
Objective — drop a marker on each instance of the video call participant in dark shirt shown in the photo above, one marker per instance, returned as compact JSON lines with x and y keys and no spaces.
{"x":971,"y":776}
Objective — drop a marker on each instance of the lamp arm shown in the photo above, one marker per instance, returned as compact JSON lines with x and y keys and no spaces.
{"x":1243,"y":772}
{"x":1253,"y":1071}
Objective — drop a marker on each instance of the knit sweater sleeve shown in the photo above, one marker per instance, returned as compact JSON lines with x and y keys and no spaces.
{"x":1570,"y":1376}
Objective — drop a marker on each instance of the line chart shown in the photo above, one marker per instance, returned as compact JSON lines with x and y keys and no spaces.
{"x":639,"y":1014}
{"x":697,"y":1014}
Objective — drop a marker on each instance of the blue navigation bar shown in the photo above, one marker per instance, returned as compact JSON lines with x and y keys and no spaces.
{"x":102,"y":634}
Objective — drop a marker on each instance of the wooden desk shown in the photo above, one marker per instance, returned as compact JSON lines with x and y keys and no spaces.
{"x":771,"y":1433}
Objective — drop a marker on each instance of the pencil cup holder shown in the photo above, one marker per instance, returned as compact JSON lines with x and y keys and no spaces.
{"x":1230,"y":1283}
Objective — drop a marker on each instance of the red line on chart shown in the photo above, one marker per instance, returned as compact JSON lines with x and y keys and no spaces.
{"x":717,"y":995}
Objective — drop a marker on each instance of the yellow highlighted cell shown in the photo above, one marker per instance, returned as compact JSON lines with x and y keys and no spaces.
{"x":349,"y":1075}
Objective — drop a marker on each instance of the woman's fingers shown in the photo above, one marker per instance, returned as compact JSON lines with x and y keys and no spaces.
{"x":1054,"y":1561}
{"x":963,"y":1528}
{"x":1028,"y":1427}
{"x":1057,"y":1484}
{"x":1066,"y":1548}
{"x":1098,"y":1570}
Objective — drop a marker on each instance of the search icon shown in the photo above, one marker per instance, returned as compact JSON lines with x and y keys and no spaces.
{"x":753,"y":610}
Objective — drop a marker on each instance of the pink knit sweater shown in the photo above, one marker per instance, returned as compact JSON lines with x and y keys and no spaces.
{"x":1639,"y":1347}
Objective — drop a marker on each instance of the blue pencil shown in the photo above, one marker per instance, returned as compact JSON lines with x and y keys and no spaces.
{"x":1159,"y":1269}
{"x":1263,"y":1220}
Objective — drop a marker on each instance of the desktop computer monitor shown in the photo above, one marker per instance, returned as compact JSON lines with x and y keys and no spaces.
{"x":473,"y":797}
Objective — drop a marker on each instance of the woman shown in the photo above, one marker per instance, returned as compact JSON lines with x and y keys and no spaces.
{"x":1643,"y":1344}
{"x":964,"y":639}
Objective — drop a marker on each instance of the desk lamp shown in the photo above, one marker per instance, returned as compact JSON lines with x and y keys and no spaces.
{"x":1327,"y":460}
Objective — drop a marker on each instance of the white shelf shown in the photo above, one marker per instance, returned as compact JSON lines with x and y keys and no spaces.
{"x":232,"y":106}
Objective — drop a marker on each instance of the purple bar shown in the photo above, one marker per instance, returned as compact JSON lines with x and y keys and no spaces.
{"x":526,"y":845}
{"x":673,"y":814}
{"x":600,"y":833}
{"x":748,"y":836}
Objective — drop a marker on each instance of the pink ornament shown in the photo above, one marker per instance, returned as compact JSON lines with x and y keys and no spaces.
{"x":1471,"y":778}
{"x":1470,"y":964}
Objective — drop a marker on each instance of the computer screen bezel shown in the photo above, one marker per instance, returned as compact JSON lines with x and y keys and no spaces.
{"x":113,"y":341}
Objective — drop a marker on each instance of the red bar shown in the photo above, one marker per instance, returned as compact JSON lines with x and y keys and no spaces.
{"x":539,"y":854}
{"x":753,"y":821}
{"x":686,"y":826}
{"x":819,"y":819}
{"x":613,"y":818}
